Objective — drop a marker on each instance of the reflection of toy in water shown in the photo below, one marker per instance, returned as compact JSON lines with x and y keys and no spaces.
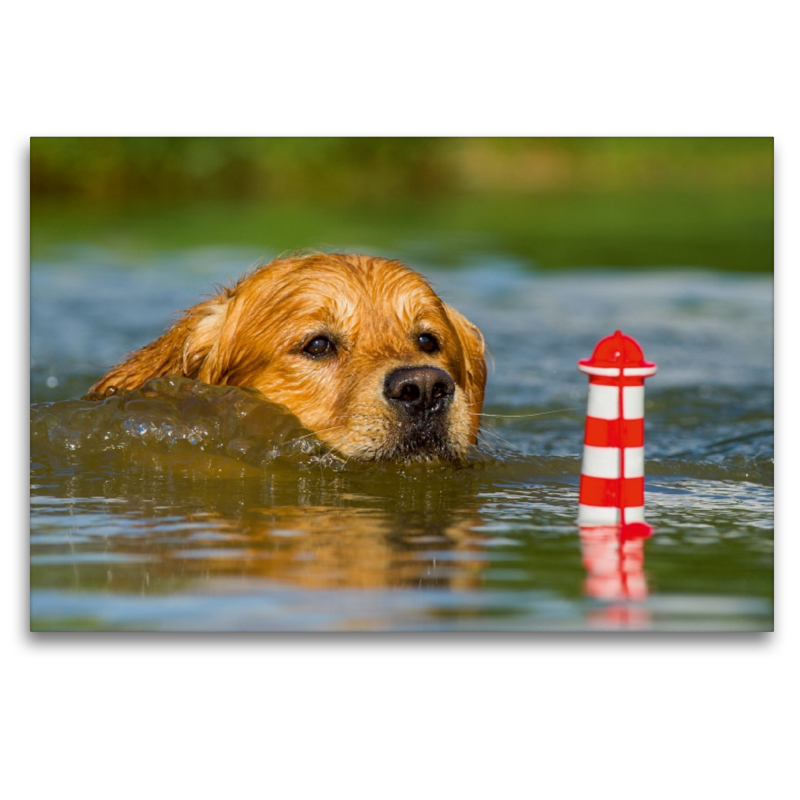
{"x":615,"y":575}
{"x":614,"y":564}
{"x":612,"y":473}
{"x":611,"y":504}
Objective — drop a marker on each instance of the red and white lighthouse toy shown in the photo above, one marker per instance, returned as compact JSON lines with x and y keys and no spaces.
{"x":612,"y":472}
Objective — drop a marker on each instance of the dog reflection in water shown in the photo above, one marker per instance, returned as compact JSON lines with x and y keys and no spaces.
{"x":334,"y":547}
{"x":311,"y":547}
{"x":360,"y":349}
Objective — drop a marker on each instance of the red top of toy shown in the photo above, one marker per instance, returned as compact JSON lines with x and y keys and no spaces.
{"x":617,"y":350}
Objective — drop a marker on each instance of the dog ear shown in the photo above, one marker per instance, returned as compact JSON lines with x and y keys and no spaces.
{"x":473,"y":349}
{"x":183,"y":350}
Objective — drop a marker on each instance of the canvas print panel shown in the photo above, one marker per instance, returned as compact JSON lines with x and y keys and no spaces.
{"x":333,"y":384}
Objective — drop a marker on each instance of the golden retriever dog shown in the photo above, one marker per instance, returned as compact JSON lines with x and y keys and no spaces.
{"x":360,"y":349}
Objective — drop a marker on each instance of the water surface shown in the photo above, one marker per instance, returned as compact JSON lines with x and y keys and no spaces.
{"x":202,"y":510}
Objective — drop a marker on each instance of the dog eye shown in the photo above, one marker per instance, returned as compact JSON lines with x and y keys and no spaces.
{"x":319,"y":346}
{"x":427,"y":343}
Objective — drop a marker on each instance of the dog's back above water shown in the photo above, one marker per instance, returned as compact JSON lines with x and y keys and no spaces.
{"x":360,"y":349}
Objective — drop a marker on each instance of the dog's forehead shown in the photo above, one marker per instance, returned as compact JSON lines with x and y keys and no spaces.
{"x":384,"y":294}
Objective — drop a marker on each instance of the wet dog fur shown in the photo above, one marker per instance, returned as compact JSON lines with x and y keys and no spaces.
{"x":359,"y":348}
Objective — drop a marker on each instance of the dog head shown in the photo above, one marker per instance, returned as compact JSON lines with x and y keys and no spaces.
{"x":360,"y":349}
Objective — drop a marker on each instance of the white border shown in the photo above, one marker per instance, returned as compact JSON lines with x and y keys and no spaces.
{"x":479,"y":716}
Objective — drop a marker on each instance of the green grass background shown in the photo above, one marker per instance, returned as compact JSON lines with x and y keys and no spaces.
{"x":549,"y":202}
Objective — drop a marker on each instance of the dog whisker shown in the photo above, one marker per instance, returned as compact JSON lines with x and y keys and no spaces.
{"x":524,"y":416}
{"x":316,"y":433}
{"x":486,"y":432}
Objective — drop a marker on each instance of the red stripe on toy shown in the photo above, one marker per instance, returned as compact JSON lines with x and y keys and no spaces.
{"x":625,"y":492}
{"x":627,"y":380}
{"x":614,"y":432}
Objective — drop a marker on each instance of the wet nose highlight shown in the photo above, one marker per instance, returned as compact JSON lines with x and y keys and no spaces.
{"x":419,"y":389}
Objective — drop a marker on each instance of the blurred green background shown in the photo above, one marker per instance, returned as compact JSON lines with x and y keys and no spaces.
{"x":547,"y":202}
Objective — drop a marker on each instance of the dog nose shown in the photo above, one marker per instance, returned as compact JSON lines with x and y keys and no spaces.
{"x":419,"y":389}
